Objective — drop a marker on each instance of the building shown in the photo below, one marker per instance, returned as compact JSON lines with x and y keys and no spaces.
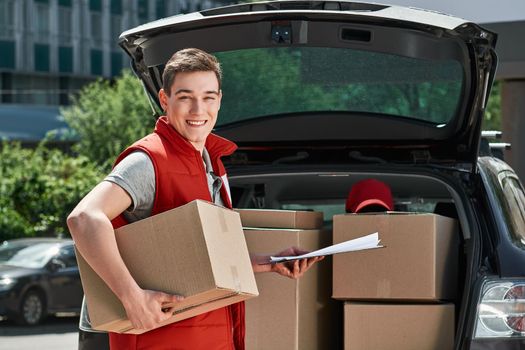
{"x":51,"y":48}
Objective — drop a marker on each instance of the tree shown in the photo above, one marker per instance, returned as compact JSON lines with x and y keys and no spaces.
{"x":108,"y":117}
{"x":39,"y":187}
{"x":492,"y":118}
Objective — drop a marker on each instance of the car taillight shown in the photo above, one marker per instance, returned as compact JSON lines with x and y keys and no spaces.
{"x":501,"y":309}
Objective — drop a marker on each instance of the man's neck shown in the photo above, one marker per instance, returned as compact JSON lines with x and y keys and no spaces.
{"x":199,"y":146}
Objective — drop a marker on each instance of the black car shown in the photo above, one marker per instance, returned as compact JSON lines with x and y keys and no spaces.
{"x":322,"y":94}
{"x":38,"y":276}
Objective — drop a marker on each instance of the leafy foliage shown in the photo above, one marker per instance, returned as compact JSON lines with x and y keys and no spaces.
{"x":288,"y":80}
{"x":39,"y":187}
{"x":492,"y":118}
{"x":108,"y":117}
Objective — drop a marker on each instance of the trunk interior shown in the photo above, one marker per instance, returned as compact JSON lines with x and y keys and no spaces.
{"x":326,"y":191}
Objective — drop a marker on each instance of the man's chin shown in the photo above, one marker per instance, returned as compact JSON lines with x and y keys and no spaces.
{"x":196,"y":141}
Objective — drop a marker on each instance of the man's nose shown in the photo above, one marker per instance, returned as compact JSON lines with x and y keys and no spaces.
{"x":196,"y":106}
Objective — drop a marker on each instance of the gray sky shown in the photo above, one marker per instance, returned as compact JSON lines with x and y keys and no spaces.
{"x":481,"y":11}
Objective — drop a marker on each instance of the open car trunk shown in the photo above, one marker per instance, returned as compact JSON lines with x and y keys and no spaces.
{"x":414,"y":189}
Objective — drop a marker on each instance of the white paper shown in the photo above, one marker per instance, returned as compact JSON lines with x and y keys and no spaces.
{"x":370,"y":241}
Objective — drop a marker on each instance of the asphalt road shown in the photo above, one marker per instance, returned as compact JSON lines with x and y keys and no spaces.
{"x":57,"y":333}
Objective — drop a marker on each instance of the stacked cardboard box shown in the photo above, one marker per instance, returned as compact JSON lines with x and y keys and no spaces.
{"x":399,"y":326}
{"x":197,"y":250}
{"x":290,"y":314}
{"x":396,"y":296}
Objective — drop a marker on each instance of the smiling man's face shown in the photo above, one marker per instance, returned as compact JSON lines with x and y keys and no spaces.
{"x":192,"y":105}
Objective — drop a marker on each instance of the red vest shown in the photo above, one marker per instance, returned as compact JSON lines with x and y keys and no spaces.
{"x":180,"y":177}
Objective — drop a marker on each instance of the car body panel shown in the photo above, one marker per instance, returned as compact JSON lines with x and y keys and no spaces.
{"x":508,"y":245}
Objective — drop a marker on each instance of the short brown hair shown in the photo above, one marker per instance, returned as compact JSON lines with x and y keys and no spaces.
{"x":189,"y":60}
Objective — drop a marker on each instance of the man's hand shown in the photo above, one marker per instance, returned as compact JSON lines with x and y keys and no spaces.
{"x":296,"y":268}
{"x":292,"y":269}
{"x":147,"y":308}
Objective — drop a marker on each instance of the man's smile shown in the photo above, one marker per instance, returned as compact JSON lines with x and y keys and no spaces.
{"x":196,"y":122}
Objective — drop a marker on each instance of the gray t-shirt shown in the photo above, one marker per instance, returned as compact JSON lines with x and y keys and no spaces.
{"x":136,"y":175}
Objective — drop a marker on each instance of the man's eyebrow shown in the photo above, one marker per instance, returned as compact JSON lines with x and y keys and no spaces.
{"x":187,"y":91}
{"x":181,"y":91}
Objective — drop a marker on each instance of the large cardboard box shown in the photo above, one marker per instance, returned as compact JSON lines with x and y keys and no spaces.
{"x":293,"y":314}
{"x":273,"y":218}
{"x":197,"y":250}
{"x":418,"y":263}
{"x":398,"y":326}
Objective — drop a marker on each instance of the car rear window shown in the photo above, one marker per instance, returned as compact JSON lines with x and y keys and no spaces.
{"x":274,"y":81}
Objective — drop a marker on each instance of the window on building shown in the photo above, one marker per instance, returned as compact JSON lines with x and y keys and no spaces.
{"x":65,"y":59}
{"x":183,"y":7}
{"x":7,"y":15}
{"x":95,"y":5}
{"x":116,"y":7}
{"x":65,"y":26}
{"x":41,"y":22}
{"x":142,"y":11}
{"x":96,"y":60}
{"x":160,"y":9}
{"x":41,"y":57}
{"x":6,"y":86}
{"x":116,"y":27}
{"x":96,"y":29}
{"x":116,"y":63}
{"x":7,"y":56}
{"x":35,"y":89}
{"x":95,"y":16}
{"x":64,"y":90}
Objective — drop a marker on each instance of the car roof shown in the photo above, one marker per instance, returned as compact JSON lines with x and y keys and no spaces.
{"x":36,"y":240}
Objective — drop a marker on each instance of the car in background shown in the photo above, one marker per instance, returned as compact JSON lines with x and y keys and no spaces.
{"x":319,"y":95}
{"x":11,"y":247}
{"x":38,"y":277}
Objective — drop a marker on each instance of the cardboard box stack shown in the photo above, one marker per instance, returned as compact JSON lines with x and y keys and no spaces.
{"x":197,"y":250}
{"x":290,"y":314}
{"x":398,"y":297}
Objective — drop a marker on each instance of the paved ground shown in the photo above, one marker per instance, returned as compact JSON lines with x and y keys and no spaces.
{"x":56,"y":333}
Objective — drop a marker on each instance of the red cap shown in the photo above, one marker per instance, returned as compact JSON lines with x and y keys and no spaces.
{"x":369,"y":192}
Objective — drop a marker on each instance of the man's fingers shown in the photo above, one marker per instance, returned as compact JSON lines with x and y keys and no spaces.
{"x":165,"y":298}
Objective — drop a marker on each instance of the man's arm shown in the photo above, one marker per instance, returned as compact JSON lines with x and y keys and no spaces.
{"x":90,"y":227}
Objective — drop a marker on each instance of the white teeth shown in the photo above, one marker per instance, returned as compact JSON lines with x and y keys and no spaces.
{"x":196,"y":122}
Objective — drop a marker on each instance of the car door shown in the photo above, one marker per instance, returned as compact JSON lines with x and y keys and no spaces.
{"x":64,"y":280}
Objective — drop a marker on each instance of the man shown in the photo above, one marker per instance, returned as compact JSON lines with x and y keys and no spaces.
{"x":176,"y":164}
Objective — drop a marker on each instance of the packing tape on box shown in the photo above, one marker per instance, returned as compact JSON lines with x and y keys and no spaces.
{"x":236,"y":279}
{"x":223,"y":222}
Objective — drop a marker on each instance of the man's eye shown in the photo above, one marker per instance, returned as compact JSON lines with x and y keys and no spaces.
{"x":209,"y":98}
{"x":184,"y":97}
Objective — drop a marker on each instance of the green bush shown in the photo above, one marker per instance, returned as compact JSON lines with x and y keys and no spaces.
{"x":108,"y":117}
{"x":492,"y":117}
{"x":39,"y":187}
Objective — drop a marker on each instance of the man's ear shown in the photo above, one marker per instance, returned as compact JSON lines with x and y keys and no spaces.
{"x":220,"y":98}
{"x":163,"y":99}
